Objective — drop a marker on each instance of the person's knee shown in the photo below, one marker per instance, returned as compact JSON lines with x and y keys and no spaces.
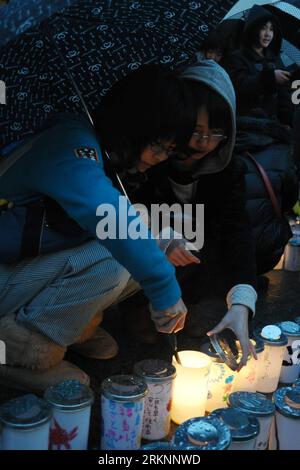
{"x":27,"y":348}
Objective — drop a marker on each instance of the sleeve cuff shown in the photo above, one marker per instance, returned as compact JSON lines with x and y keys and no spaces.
{"x":242,"y":294}
{"x":164,"y":238}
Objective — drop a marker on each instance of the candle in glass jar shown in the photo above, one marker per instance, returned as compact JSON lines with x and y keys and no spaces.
{"x":122,"y":405}
{"x":244,"y":428}
{"x":71,"y":402}
{"x":159,"y":376}
{"x":291,"y":360}
{"x":258,"y":406}
{"x":190,"y":385}
{"x":25,"y":423}
{"x":285,"y":434}
{"x":246,"y":378}
{"x":270,"y":366}
{"x":220,"y":381}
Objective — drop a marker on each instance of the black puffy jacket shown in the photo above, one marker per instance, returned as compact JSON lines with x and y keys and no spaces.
{"x":253,"y":76}
{"x":268,"y":142}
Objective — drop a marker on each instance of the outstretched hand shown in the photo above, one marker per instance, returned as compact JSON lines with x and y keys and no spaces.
{"x":237,"y":320}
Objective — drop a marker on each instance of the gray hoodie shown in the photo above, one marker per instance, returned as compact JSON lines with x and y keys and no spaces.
{"x":215,"y":77}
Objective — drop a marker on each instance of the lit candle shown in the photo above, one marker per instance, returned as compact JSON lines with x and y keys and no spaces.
{"x":190,"y":386}
{"x":270,"y":367}
{"x":246,"y":378}
{"x":220,"y":381}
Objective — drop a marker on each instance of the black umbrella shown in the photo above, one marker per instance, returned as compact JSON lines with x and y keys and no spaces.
{"x":71,"y":60}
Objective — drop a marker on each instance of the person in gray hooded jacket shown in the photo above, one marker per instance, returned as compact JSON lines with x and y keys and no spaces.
{"x":212,"y":176}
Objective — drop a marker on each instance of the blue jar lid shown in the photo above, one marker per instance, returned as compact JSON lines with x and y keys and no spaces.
{"x":207,"y":433}
{"x":160,"y":445}
{"x":287,"y":401}
{"x":297,"y":320}
{"x":242,"y":426}
{"x":124,"y":388}
{"x":252,"y":403}
{"x":155,"y":370}
{"x":289,"y":328}
{"x":69,"y":395}
{"x":25,"y":412}
{"x":270,"y":335}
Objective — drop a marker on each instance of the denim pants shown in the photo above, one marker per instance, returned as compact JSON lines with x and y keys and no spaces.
{"x":59,"y":293}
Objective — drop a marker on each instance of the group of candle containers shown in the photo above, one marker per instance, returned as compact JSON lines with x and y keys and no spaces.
{"x":141,"y":406}
{"x":59,"y":421}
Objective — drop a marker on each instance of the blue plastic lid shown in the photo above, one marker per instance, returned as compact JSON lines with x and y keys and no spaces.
{"x":207,"y":433}
{"x":297,"y":320}
{"x":266,"y":334}
{"x":25,"y":412}
{"x":69,"y":395}
{"x":289,"y":328}
{"x":242,"y":426}
{"x":252,"y":403}
{"x":287,"y":402}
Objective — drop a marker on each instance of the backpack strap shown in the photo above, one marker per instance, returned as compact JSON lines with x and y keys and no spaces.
{"x":267,"y":183}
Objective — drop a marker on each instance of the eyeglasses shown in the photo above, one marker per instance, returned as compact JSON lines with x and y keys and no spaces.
{"x":217,"y":137}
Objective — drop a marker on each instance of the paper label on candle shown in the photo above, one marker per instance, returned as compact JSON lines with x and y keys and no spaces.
{"x":156,"y":422}
{"x":121,"y":424}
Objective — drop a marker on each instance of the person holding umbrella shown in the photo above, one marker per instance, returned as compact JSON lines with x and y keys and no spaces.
{"x":257,"y":72}
{"x":56,"y":276}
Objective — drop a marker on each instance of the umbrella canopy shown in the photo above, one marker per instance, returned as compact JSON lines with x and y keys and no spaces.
{"x":73,"y":57}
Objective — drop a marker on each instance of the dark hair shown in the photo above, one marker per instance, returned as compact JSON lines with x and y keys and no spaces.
{"x":217,"y":108}
{"x":148,"y":105}
{"x":251,"y":36}
{"x":214,"y":41}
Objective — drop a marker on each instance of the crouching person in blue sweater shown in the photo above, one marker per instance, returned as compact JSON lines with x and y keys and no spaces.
{"x":58,"y":270}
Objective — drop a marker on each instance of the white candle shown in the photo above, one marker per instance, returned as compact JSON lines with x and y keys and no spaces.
{"x":122,"y":405}
{"x":246,"y":378}
{"x":286,"y":430}
{"x":71,"y":403}
{"x":291,"y":360}
{"x":190,"y":386}
{"x":270,"y":366}
{"x":26,"y":422}
{"x":244,"y":428}
{"x":159,"y":376}
{"x":220,"y":381}
{"x":258,"y":406}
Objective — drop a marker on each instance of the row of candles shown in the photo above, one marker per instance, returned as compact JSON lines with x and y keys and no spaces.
{"x":140,"y":406}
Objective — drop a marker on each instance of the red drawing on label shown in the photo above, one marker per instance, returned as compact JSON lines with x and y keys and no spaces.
{"x":60,"y":437}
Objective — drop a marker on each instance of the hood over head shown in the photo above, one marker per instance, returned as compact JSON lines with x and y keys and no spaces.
{"x":209,"y":73}
{"x":256,"y":18}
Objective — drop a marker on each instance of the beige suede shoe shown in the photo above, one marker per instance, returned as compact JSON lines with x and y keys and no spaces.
{"x":36,"y":381}
{"x":100,"y":346}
